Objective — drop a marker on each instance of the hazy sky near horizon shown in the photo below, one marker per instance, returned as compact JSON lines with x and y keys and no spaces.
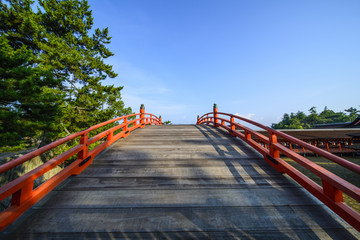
{"x":259,"y":59}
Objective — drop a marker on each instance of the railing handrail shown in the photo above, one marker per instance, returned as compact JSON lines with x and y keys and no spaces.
{"x":330,"y":193}
{"x":343,"y":162}
{"x":21,"y":189}
{"x":15,"y":162}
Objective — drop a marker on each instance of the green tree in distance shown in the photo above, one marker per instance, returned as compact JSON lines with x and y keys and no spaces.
{"x":167,"y":123}
{"x":53,"y":58}
{"x":300,"y":120}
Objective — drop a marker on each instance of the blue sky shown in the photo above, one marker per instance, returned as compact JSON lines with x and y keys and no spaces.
{"x":259,"y":59}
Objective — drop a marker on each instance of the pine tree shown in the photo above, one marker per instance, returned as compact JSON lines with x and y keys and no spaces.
{"x":29,"y":98}
{"x":61,"y":45}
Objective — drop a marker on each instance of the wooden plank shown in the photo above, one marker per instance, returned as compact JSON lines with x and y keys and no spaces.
{"x":85,"y":183}
{"x":203,"y":219}
{"x":199,"y":172}
{"x":155,"y":144}
{"x":175,"y":155}
{"x":249,"y":161}
{"x":333,"y":233}
{"x":163,"y":198}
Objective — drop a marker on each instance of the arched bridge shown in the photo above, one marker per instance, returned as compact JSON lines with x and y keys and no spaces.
{"x":216,"y":179}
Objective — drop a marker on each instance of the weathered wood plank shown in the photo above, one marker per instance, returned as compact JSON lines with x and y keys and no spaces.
{"x":250,"y":161}
{"x":134,"y":198}
{"x":141,"y":154}
{"x":86,"y":183}
{"x":149,"y":220}
{"x":198,"y":171}
{"x":219,"y":235}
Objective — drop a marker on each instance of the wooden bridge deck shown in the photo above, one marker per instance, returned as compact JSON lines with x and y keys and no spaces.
{"x":179,"y":182}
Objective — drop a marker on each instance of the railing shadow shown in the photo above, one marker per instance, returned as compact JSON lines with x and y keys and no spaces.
{"x":138,"y":170}
{"x":212,"y":132}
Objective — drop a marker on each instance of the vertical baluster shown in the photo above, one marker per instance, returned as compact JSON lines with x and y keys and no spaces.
{"x":247,"y":135}
{"x":232,"y":126}
{"x":84,"y":141}
{"x":332,"y":192}
{"x":142,"y":116}
{"x":125,"y":127}
{"x":274,"y":154}
{"x":216,"y":115}
{"x":22,"y":194}
{"x":232,"y":123}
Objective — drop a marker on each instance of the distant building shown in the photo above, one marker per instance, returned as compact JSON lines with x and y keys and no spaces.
{"x":333,"y":137}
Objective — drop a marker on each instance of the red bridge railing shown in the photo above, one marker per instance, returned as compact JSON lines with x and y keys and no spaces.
{"x":332,"y":188}
{"x":22,"y":189}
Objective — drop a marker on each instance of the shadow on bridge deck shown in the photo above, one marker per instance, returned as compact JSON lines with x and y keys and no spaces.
{"x":179,"y":182}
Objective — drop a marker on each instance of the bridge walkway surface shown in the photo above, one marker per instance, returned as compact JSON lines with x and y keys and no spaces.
{"x":179,"y":182}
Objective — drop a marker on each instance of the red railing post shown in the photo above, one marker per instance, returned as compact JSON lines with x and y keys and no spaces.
{"x":83,"y":140}
{"x":160,"y":120}
{"x":22,"y":194}
{"x":216,"y":115}
{"x":110,"y":136}
{"x":142,"y":116}
{"x":125,"y":127}
{"x":332,"y":192}
{"x":198,"y":119}
{"x":232,"y":126}
{"x":274,"y":153}
{"x":83,"y":154}
{"x":247,"y":135}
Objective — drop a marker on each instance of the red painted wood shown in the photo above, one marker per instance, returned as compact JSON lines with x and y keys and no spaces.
{"x":330,"y":193}
{"x":21,"y":189}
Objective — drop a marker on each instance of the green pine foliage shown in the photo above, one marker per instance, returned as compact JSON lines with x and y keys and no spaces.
{"x":167,"y":123}
{"x":29,"y":96}
{"x":300,"y":120}
{"x":52,"y":64}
